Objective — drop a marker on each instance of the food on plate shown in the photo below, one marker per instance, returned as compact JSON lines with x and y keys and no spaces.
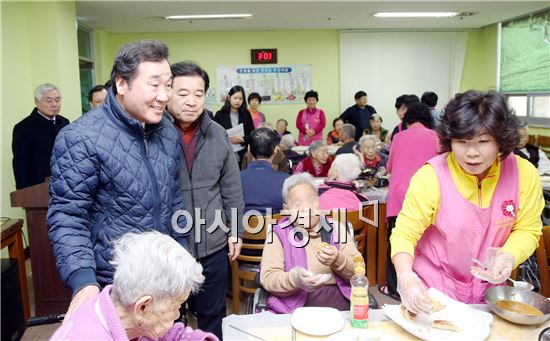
{"x":437,"y":306}
{"x":322,"y":246}
{"x":518,"y":307}
{"x":438,"y":324}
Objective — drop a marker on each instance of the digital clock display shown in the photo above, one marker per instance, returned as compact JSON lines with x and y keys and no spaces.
{"x":263,"y":56}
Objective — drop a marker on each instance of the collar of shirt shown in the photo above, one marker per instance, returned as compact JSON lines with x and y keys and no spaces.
{"x":47,"y":117}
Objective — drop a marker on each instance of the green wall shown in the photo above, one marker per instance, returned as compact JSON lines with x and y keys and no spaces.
{"x":480,"y":64}
{"x":39,"y":45}
{"x":209,"y":49}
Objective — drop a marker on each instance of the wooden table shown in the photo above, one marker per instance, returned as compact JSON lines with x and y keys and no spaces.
{"x":12,"y":237}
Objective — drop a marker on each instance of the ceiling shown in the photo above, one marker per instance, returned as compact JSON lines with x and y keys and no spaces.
{"x":145,"y":16}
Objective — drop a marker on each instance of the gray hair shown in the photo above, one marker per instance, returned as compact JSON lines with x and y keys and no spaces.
{"x":287,"y":141}
{"x":349,"y":130}
{"x":348,"y":166}
{"x":42,"y":88}
{"x":366,"y":138}
{"x":315,"y":145}
{"x":265,"y":125}
{"x":152,"y":263}
{"x":131,"y":55}
{"x":297,"y":179}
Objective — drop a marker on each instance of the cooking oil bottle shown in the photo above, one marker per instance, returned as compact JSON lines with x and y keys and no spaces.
{"x":359,"y":297}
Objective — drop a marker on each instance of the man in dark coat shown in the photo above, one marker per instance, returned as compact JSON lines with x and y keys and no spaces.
{"x":359,"y":114}
{"x":116,"y":170}
{"x":34,"y":136}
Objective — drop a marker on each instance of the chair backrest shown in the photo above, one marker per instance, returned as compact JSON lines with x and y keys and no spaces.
{"x":532,"y":139}
{"x":247,"y":264}
{"x":364,"y":235}
{"x":543,"y":251}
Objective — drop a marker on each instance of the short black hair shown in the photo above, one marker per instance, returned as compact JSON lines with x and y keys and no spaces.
{"x":95,"y":89}
{"x":311,"y":93}
{"x":473,"y":112}
{"x":429,"y":98}
{"x":418,"y":112}
{"x":190,"y":69}
{"x":359,"y":94}
{"x":131,"y":55}
{"x":336,"y":120}
{"x":407,"y":100}
{"x":282,"y":119}
{"x":254,"y":95}
{"x":263,"y":142}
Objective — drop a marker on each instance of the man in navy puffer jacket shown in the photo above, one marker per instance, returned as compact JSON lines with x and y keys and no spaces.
{"x":115,"y":170}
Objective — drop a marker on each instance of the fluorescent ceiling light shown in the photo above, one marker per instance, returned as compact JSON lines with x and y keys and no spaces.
{"x":415,"y":14}
{"x":208,"y":16}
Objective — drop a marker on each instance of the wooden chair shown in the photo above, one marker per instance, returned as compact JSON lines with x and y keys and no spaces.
{"x":246,"y":266}
{"x":532,"y":140}
{"x":365,"y":237}
{"x":543,"y":251}
{"x":544,"y":143}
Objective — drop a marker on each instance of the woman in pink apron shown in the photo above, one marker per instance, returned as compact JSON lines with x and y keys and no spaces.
{"x":474,"y":197}
{"x":310,"y":121}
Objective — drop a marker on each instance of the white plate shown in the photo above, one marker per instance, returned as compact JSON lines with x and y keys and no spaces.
{"x":473,"y":324}
{"x":361,"y":335}
{"x":317,"y":320}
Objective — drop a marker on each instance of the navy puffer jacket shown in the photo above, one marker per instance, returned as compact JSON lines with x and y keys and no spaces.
{"x":110,"y":176}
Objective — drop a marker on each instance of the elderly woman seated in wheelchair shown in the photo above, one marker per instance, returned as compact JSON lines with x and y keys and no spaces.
{"x":154,"y":276}
{"x":310,"y":259}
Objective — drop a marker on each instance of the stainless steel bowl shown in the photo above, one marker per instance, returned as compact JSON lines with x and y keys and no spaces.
{"x":514,"y":294}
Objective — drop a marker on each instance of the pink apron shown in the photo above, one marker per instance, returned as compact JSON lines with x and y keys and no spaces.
{"x":310,"y":119}
{"x":463,"y":230}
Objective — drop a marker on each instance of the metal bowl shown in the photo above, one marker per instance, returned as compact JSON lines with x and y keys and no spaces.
{"x":513,"y":294}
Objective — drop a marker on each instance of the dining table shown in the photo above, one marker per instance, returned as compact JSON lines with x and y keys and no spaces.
{"x":278,"y":327}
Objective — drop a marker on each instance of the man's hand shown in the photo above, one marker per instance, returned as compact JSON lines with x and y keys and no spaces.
{"x":234,"y":247}
{"x":79,"y":298}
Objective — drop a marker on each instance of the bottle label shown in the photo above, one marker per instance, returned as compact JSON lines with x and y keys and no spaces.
{"x":360,"y":312}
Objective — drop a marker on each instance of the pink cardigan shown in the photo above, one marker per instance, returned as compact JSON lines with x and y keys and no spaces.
{"x":97,"y":319}
{"x":410,"y":149}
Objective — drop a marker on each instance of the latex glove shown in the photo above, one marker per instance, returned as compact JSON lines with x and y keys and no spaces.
{"x":307,"y":280}
{"x":414,"y":294}
{"x":498,"y":270}
{"x":327,"y":255}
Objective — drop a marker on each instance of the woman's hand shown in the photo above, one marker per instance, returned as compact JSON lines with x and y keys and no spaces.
{"x":327,"y":255}
{"x":305,"y":279}
{"x":310,"y":133}
{"x":235,"y":139}
{"x":414,"y":295}
{"x":499,"y":268}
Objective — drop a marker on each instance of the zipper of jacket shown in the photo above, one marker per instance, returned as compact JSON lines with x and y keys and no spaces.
{"x":479,"y":201}
{"x":156,"y":194}
{"x":197,"y":150}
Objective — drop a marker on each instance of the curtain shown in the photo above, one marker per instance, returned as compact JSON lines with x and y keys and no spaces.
{"x":389,"y":64}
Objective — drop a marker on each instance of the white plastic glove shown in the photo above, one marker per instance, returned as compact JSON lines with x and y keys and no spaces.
{"x":499,"y":268}
{"x":307,"y":280}
{"x":414,"y":294}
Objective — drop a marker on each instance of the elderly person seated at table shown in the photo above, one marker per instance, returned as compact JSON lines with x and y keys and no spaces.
{"x":154,"y":275}
{"x":368,"y":153}
{"x":347,"y":137}
{"x":530,"y":152}
{"x":307,"y":264}
{"x":339,"y":191}
{"x":318,"y":162}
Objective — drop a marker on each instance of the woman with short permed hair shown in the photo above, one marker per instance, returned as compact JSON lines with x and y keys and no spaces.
{"x":476,"y":200}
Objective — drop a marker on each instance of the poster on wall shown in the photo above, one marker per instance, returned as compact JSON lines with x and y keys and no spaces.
{"x":277,"y":84}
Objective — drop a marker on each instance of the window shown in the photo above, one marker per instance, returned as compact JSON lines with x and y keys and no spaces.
{"x":532,"y":108}
{"x":86,"y":65}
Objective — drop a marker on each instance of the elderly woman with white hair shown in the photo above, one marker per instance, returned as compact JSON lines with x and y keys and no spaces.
{"x":154,"y":276}
{"x":368,"y":153}
{"x":318,"y":162}
{"x":339,"y":191}
{"x":309,"y":262}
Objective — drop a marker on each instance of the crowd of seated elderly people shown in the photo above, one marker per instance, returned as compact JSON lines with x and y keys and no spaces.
{"x":312,"y":266}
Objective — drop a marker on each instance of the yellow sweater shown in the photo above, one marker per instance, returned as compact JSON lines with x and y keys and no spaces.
{"x":423,"y":196}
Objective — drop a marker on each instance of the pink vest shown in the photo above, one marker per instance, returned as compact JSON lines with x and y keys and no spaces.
{"x":310,"y":119}
{"x":295,"y":256}
{"x":462,"y":231}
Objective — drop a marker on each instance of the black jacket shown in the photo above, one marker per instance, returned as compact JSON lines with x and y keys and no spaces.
{"x":352,"y":116}
{"x":32,"y":145}
{"x":224,"y":119}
